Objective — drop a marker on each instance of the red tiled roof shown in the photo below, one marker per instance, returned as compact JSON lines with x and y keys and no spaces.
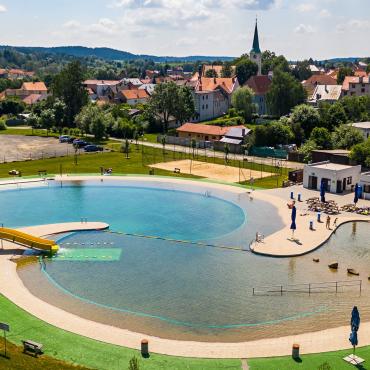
{"x":210,"y":84}
{"x":197,"y":128}
{"x":361,"y":73}
{"x":259,"y":84}
{"x":34,"y":86}
{"x":354,"y":80}
{"x":32,"y":99}
{"x":135,"y":94}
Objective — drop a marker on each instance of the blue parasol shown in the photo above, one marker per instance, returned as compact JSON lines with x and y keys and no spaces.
{"x":293,"y":226}
{"x":355,"y":325}
{"x":357,"y":193}
{"x":322,"y":190}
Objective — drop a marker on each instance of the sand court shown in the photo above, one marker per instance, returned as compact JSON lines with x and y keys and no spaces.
{"x":211,"y":170}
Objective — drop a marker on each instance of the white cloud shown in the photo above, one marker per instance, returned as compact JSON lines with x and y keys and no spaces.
{"x":72,"y":25}
{"x":306,"y":7}
{"x":180,"y":4}
{"x":3,"y":8}
{"x":304,"y":29}
{"x":354,"y":25}
{"x":324,"y":13}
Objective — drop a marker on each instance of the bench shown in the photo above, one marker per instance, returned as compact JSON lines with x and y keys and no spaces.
{"x":177,"y":170}
{"x":33,"y":347}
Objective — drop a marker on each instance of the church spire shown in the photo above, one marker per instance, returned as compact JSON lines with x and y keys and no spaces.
{"x":256,"y":44}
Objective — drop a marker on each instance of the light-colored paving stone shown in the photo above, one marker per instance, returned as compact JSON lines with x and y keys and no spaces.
{"x":281,"y":243}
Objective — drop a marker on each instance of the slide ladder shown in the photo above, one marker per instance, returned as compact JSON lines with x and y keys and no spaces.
{"x":28,"y":240}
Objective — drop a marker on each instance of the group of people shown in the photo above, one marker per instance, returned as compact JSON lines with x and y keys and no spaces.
{"x":106,"y":171}
{"x":328,"y":220}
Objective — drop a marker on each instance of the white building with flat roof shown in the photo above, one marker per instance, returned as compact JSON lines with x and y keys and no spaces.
{"x":338,"y":178}
{"x":365,"y":184}
{"x":364,"y":127}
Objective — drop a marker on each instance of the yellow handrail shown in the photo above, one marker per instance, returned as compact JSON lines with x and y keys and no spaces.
{"x":28,"y":240}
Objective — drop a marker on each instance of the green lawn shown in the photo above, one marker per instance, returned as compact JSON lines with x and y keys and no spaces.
{"x":333,"y":361}
{"x":79,"y":350}
{"x":140,"y":158}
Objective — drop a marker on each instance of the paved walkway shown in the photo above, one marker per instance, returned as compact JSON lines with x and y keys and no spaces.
{"x":12,"y":287}
{"x":282,"y":244}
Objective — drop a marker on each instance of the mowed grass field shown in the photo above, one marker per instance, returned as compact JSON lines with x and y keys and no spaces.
{"x":140,"y":157}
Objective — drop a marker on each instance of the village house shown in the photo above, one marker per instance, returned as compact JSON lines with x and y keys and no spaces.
{"x":356,"y":86}
{"x":363,"y":127}
{"x":311,"y":84}
{"x":30,"y":92}
{"x":260,"y":86}
{"x":200,"y":132}
{"x":133,"y":97}
{"x":212,"y":97}
{"x":325,"y":93}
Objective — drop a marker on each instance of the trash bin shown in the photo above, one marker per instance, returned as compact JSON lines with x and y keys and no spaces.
{"x":295,"y":351}
{"x":145,"y":348}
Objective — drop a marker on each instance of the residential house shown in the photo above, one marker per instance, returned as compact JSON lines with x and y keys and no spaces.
{"x":133,"y":97}
{"x":326,"y":93}
{"x":27,"y":89}
{"x":363,"y":127}
{"x":200,"y":132}
{"x":212,"y":96}
{"x":356,"y":86}
{"x":260,"y":86}
{"x":34,"y":88}
{"x":99,"y":88}
{"x":234,"y":138}
{"x":15,"y":74}
{"x":34,"y":98}
{"x":315,"y":80}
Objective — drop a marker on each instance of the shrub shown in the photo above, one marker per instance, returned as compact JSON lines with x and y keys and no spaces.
{"x":2,"y":125}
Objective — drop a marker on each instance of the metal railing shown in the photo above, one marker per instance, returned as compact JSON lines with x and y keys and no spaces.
{"x":308,"y":288}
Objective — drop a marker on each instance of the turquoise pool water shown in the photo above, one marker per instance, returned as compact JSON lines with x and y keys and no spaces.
{"x":148,"y":211}
{"x":181,"y":290}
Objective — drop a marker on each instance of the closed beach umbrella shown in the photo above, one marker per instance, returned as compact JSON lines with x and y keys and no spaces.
{"x":322,"y":191}
{"x":355,"y":325}
{"x":293,"y":226}
{"x":357,"y":194}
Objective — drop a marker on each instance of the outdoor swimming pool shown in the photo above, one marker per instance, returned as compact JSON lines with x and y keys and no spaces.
{"x":182,"y":290}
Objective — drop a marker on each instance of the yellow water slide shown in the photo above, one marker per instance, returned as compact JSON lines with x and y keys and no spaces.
{"x":28,"y":240}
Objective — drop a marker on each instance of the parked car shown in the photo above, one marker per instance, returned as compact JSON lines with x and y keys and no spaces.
{"x":80,"y":143}
{"x":64,"y":139}
{"x":93,"y":148}
{"x":71,"y":140}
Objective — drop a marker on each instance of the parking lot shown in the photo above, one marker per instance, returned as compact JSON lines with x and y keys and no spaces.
{"x":20,"y":148}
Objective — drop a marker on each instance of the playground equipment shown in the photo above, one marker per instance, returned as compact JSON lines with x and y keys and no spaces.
{"x":28,"y":240}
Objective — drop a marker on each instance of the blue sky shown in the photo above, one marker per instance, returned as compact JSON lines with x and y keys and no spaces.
{"x":298,"y":29}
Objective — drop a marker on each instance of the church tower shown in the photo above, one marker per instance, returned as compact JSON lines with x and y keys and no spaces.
{"x":255,"y":54}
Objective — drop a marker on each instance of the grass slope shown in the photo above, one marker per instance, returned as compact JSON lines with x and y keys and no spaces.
{"x":79,"y":350}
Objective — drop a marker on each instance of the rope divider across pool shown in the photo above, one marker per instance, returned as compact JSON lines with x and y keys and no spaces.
{"x":316,"y":311}
{"x":199,"y":244}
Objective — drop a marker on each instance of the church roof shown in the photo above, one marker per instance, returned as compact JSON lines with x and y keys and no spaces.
{"x":256,"y":42}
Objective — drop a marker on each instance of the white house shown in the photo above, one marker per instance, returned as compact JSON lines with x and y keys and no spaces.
{"x":365,"y":184}
{"x":337,"y":177}
{"x":364,"y":127}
